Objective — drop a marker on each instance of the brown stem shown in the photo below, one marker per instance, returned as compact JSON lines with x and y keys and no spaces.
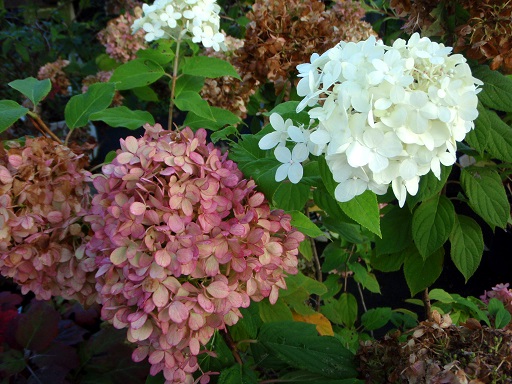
{"x":426,"y":305}
{"x":173,"y":84}
{"x":231,"y":344}
{"x":36,"y":120}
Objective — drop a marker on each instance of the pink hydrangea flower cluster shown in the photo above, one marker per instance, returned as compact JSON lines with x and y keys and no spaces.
{"x":117,"y":37}
{"x":60,"y":81}
{"x":43,"y":196}
{"x":500,"y":292}
{"x":182,"y":241}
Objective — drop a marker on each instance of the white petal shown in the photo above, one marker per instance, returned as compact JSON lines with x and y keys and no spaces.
{"x":357,"y":154}
{"x":283,"y":154}
{"x":296,"y":134}
{"x":295,"y":173}
{"x":282,"y":172}
{"x":270,"y":140}
{"x":408,"y":169}
{"x":320,"y":137}
{"x":277,"y":122}
{"x":300,"y":152}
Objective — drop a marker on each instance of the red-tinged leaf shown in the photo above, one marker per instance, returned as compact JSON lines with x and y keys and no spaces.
{"x":38,"y":327}
{"x":118,"y":256}
{"x":137,"y":208}
{"x":218,"y":289}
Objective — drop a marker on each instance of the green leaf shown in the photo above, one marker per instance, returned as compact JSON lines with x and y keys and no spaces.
{"x":222,"y":118}
{"x":303,"y":377}
{"x":123,"y":117}
{"x":365,"y":278}
{"x":237,"y":374}
{"x":304,"y":224}
{"x":432,"y":223}
{"x":97,"y":98}
{"x":388,"y":263}
{"x":487,"y":196}
{"x":223,"y":133}
{"x":499,"y":140}
{"x":300,"y":281}
{"x":342,"y":311}
{"x":35,"y":90}
{"x":136,"y":73}
{"x":188,"y":83}
{"x":467,"y":245}
{"x":429,"y":186}
{"x":364,"y":209}
{"x":419,"y":273}
{"x":496,"y":89}
{"x":111,"y":155}
{"x":145,"y":93}
{"x":156,"y":56}
{"x":290,"y":197}
{"x":105,"y":63}
{"x":479,"y":136}
{"x":10,"y":112}
{"x":334,"y":257}
{"x":192,"y":101}
{"x":502,"y":319}
{"x":274,"y":312}
{"x":494,"y":306}
{"x":246,"y":150}
{"x":305,"y":249}
{"x":376,"y":318}
{"x":396,"y":231}
{"x":247,"y":327}
{"x":441,"y":295}
{"x":347,"y":231}
{"x":298,"y":345}
{"x":208,"y":67}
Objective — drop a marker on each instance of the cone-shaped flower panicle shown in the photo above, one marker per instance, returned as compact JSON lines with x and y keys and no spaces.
{"x":43,"y":198}
{"x":384,"y":115}
{"x":197,"y":20}
{"x":182,"y":242}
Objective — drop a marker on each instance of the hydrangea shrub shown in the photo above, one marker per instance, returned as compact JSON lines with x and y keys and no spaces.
{"x":182,"y":242}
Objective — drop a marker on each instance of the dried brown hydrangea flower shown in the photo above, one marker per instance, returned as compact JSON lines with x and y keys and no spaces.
{"x":487,"y":36}
{"x":227,"y":92}
{"x":43,"y":197}
{"x":283,"y":34}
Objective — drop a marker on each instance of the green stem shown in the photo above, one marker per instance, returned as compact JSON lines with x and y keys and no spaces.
{"x":42,"y":126}
{"x":173,"y":83}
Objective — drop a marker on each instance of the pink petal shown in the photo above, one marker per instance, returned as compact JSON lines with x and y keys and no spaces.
{"x":118,"y":256}
{"x":161,"y":296}
{"x":178,"y":312}
{"x":194,"y":346}
{"x":131,"y":144}
{"x":54,"y":217}
{"x":162,"y":258}
{"x":137,"y":208}
{"x":218,"y":289}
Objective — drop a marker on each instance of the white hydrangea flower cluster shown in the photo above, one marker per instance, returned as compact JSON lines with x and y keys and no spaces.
{"x":386,"y":115}
{"x":177,"y":19}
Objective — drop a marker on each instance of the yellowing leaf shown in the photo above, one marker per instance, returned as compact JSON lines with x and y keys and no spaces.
{"x":323,"y":326}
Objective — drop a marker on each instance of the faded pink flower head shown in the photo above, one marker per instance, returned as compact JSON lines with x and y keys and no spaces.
{"x":43,"y":196}
{"x":54,"y":71}
{"x":118,"y":40}
{"x":182,"y":241}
